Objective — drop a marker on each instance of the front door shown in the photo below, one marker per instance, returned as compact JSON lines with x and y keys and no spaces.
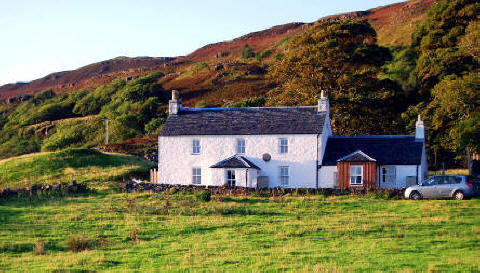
{"x":231,"y":181}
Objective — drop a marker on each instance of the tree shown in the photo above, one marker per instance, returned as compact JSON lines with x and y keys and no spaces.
{"x":342,"y":58}
{"x":447,"y":74}
{"x":436,"y":41}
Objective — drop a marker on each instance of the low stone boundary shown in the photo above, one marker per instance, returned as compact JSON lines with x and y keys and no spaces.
{"x":222,"y":190}
{"x":36,"y":190}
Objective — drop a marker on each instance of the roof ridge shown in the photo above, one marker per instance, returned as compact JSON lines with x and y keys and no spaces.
{"x":246,"y":108}
{"x":373,"y":136}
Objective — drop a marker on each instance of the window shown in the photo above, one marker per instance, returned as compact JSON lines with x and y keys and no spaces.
{"x":231,"y":178}
{"x":284,"y":177}
{"x":196,"y":147}
{"x":388,"y":174}
{"x":240,"y":146}
{"x":196,"y":176}
{"x":356,"y":175}
{"x":283,"y":145}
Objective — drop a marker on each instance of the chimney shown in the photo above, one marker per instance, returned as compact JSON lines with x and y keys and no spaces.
{"x":174,"y":104}
{"x":323,"y":104}
{"x":420,"y":129}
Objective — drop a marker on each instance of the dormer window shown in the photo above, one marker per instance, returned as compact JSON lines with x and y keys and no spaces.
{"x":241,"y":146}
{"x":283,"y":145}
{"x":196,"y":147}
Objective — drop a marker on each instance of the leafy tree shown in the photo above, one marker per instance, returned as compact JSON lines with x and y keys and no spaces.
{"x":470,"y":42}
{"x":400,"y":68}
{"x":342,"y":58}
{"x":447,"y":74}
{"x":436,"y":41}
{"x":455,"y":111}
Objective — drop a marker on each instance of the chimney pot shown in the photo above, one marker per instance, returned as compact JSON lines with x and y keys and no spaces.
{"x":174,"y":104}
{"x":323,"y":103}
{"x":419,"y":128}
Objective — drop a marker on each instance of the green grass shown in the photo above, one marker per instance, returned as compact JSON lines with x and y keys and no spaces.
{"x":82,"y":165}
{"x":449,"y":171}
{"x":308,"y":234}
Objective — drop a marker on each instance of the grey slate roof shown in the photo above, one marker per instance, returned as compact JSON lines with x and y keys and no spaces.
{"x":245,"y":121}
{"x":386,"y":150}
{"x":236,"y":161}
{"x":357,"y":156}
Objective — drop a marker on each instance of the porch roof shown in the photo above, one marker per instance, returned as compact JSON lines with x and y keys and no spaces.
{"x":357,"y":156}
{"x":235,"y":161}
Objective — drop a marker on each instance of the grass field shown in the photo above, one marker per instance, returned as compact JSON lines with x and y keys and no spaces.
{"x":83,"y":165}
{"x":311,"y":234}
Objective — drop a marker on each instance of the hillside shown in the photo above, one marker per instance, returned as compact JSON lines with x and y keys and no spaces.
{"x":394,"y":24}
{"x":83,"y":165}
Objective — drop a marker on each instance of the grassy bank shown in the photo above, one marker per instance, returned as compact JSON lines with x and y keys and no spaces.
{"x":142,"y":232}
{"x":83,"y":165}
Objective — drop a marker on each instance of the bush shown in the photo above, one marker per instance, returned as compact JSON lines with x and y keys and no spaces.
{"x":204,"y":196}
{"x":264,"y":54}
{"x":39,"y":248}
{"x":248,"y":53}
{"x":77,"y":244}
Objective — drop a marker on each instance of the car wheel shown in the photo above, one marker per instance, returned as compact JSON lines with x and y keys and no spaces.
{"x":415,"y":195}
{"x":458,"y":195}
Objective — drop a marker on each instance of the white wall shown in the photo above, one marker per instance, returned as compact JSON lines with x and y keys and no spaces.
{"x":176,"y":159}
{"x":326,"y":177}
{"x":401,"y":172}
{"x":423,"y":171}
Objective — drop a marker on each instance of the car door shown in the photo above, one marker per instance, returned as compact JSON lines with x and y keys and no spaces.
{"x":444,"y":186}
{"x":428,"y":189}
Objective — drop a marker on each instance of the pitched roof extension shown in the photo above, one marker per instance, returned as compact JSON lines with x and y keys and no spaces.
{"x":357,"y":156}
{"x":235,"y":161}
{"x":245,"y":121}
{"x":386,"y":150}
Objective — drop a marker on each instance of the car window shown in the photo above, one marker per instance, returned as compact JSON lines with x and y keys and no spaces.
{"x":452,"y":180}
{"x":429,"y":182}
{"x":439,"y":180}
{"x":443,"y":180}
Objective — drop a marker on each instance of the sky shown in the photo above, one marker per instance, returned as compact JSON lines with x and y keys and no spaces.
{"x":41,"y":37}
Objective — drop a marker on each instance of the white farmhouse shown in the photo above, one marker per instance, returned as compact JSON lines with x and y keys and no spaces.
{"x":290,"y":147}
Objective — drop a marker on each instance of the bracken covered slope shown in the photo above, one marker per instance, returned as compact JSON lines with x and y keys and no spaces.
{"x":394,"y":24}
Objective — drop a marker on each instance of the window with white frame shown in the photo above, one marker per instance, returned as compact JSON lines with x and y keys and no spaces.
{"x":356,"y":175}
{"x":231,"y":181}
{"x":196,"y":176}
{"x":388,"y":174}
{"x":283,"y":145}
{"x":240,"y":146}
{"x":196,"y":147}
{"x":284,"y":175}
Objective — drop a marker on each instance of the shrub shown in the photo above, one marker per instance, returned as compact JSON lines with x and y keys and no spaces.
{"x":264,"y":54}
{"x":248,"y":53}
{"x":204,"y":196}
{"x":77,"y":244}
{"x":154,"y":125}
{"x":133,"y":235}
{"x":39,"y":248}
